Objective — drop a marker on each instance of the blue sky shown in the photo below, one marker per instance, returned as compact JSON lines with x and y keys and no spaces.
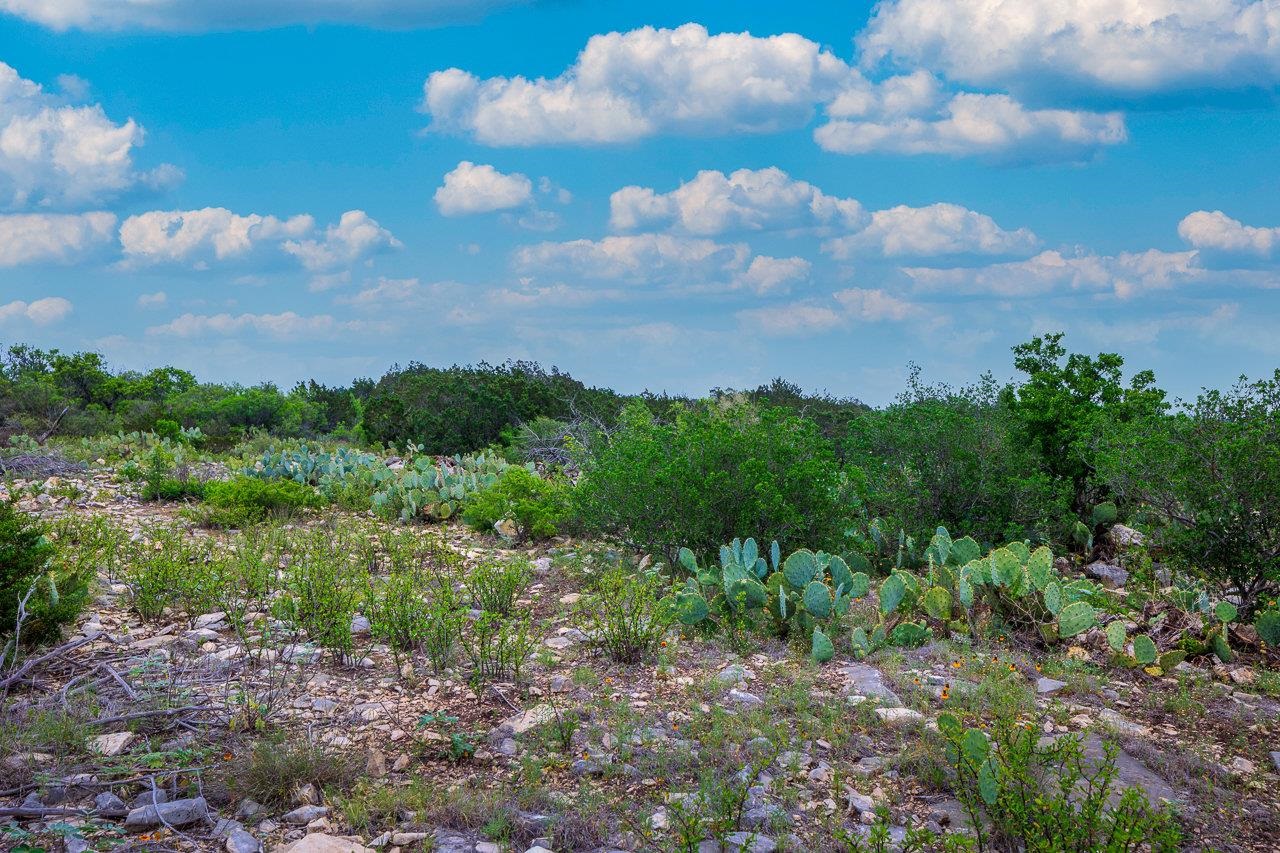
{"x":673,"y":196}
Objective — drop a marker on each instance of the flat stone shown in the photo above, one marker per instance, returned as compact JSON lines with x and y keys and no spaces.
{"x":899,"y":716}
{"x":402,"y":839}
{"x":303,"y":815}
{"x":865,"y":680}
{"x":526,"y":720}
{"x":1243,"y":766}
{"x":319,"y":842}
{"x":240,"y":841}
{"x":176,"y":813}
{"x":1275,"y":759}
{"x":209,"y":620}
{"x":149,"y":797}
{"x":1109,"y":573}
{"x":1048,"y":686}
{"x":731,"y":674}
{"x":112,"y":744}
{"x":1125,"y":537}
{"x":108,"y":804}
{"x":742,"y":697}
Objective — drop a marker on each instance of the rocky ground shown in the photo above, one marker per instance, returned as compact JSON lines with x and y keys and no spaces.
{"x":168,"y":734}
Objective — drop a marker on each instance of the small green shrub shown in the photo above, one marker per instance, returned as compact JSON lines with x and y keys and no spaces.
{"x":629,"y":614}
{"x":498,"y":646}
{"x":495,"y":585}
{"x":707,"y":474}
{"x":272,"y":771}
{"x":1045,"y":796}
{"x":54,"y":590}
{"x":536,"y":507}
{"x":244,"y":501}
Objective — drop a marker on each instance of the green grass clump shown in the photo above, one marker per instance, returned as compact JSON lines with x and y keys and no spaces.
{"x":245,"y":501}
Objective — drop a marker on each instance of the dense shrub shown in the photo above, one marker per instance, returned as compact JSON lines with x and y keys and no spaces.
{"x":709,"y":473}
{"x":940,"y":456}
{"x":536,"y":507}
{"x":1212,"y":473}
{"x":461,"y":409}
{"x":53,"y":595}
{"x":1063,"y":402}
{"x":243,"y":501}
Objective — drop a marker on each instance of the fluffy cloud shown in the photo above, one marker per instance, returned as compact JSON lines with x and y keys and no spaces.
{"x":201,"y":15}
{"x":967,"y":123}
{"x":746,"y":200}
{"x":284,"y":326}
{"x":153,"y":300}
{"x":41,"y":312}
{"x":356,"y":236}
{"x":28,"y":238}
{"x":1218,"y":232}
{"x":472,"y":188}
{"x":855,"y":305}
{"x":640,"y":257}
{"x":767,"y":275}
{"x":1124,"y":275}
{"x":626,"y":86}
{"x":687,"y":264}
{"x":938,"y":229}
{"x":53,"y":154}
{"x":1137,"y":46}
{"x":201,"y":237}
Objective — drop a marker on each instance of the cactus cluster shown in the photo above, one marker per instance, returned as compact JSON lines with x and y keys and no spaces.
{"x":314,"y":467}
{"x":1019,"y":585}
{"x":1197,"y":626}
{"x":436,"y":490}
{"x":801,"y":594}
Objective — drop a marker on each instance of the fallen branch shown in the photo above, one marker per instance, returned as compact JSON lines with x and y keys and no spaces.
{"x":31,"y":663}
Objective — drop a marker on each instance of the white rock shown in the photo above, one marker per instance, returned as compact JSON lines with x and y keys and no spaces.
{"x":899,"y":716}
{"x":112,"y":744}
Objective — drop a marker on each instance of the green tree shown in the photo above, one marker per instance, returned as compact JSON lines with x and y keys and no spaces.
{"x":1064,"y":400}
{"x":954,"y":457}
{"x":1212,"y":473}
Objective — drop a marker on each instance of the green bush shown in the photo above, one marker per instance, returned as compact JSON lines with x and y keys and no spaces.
{"x":1043,"y":796}
{"x":1211,"y":473}
{"x":940,"y":456}
{"x":712,"y":472}
{"x":628,"y":614}
{"x":244,"y":501}
{"x":54,"y":592}
{"x":536,"y":507}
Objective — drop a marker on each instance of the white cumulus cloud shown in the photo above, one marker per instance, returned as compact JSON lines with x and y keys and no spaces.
{"x":1119,"y":46}
{"x":204,"y":235}
{"x":41,"y":312}
{"x":745,"y":200}
{"x":54,"y":154}
{"x":200,"y":238}
{"x":847,"y":307}
{"x":1216,"y":231}
{"x":30,"y":238}
{"x":355,"y":237}
{"x":969,"y":123}
{"x":480,"y":188}
{"x":936,"y":229}
{"x":645,"y":82}
{"x":627,"y":86}
{"x":1124,"y":275}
